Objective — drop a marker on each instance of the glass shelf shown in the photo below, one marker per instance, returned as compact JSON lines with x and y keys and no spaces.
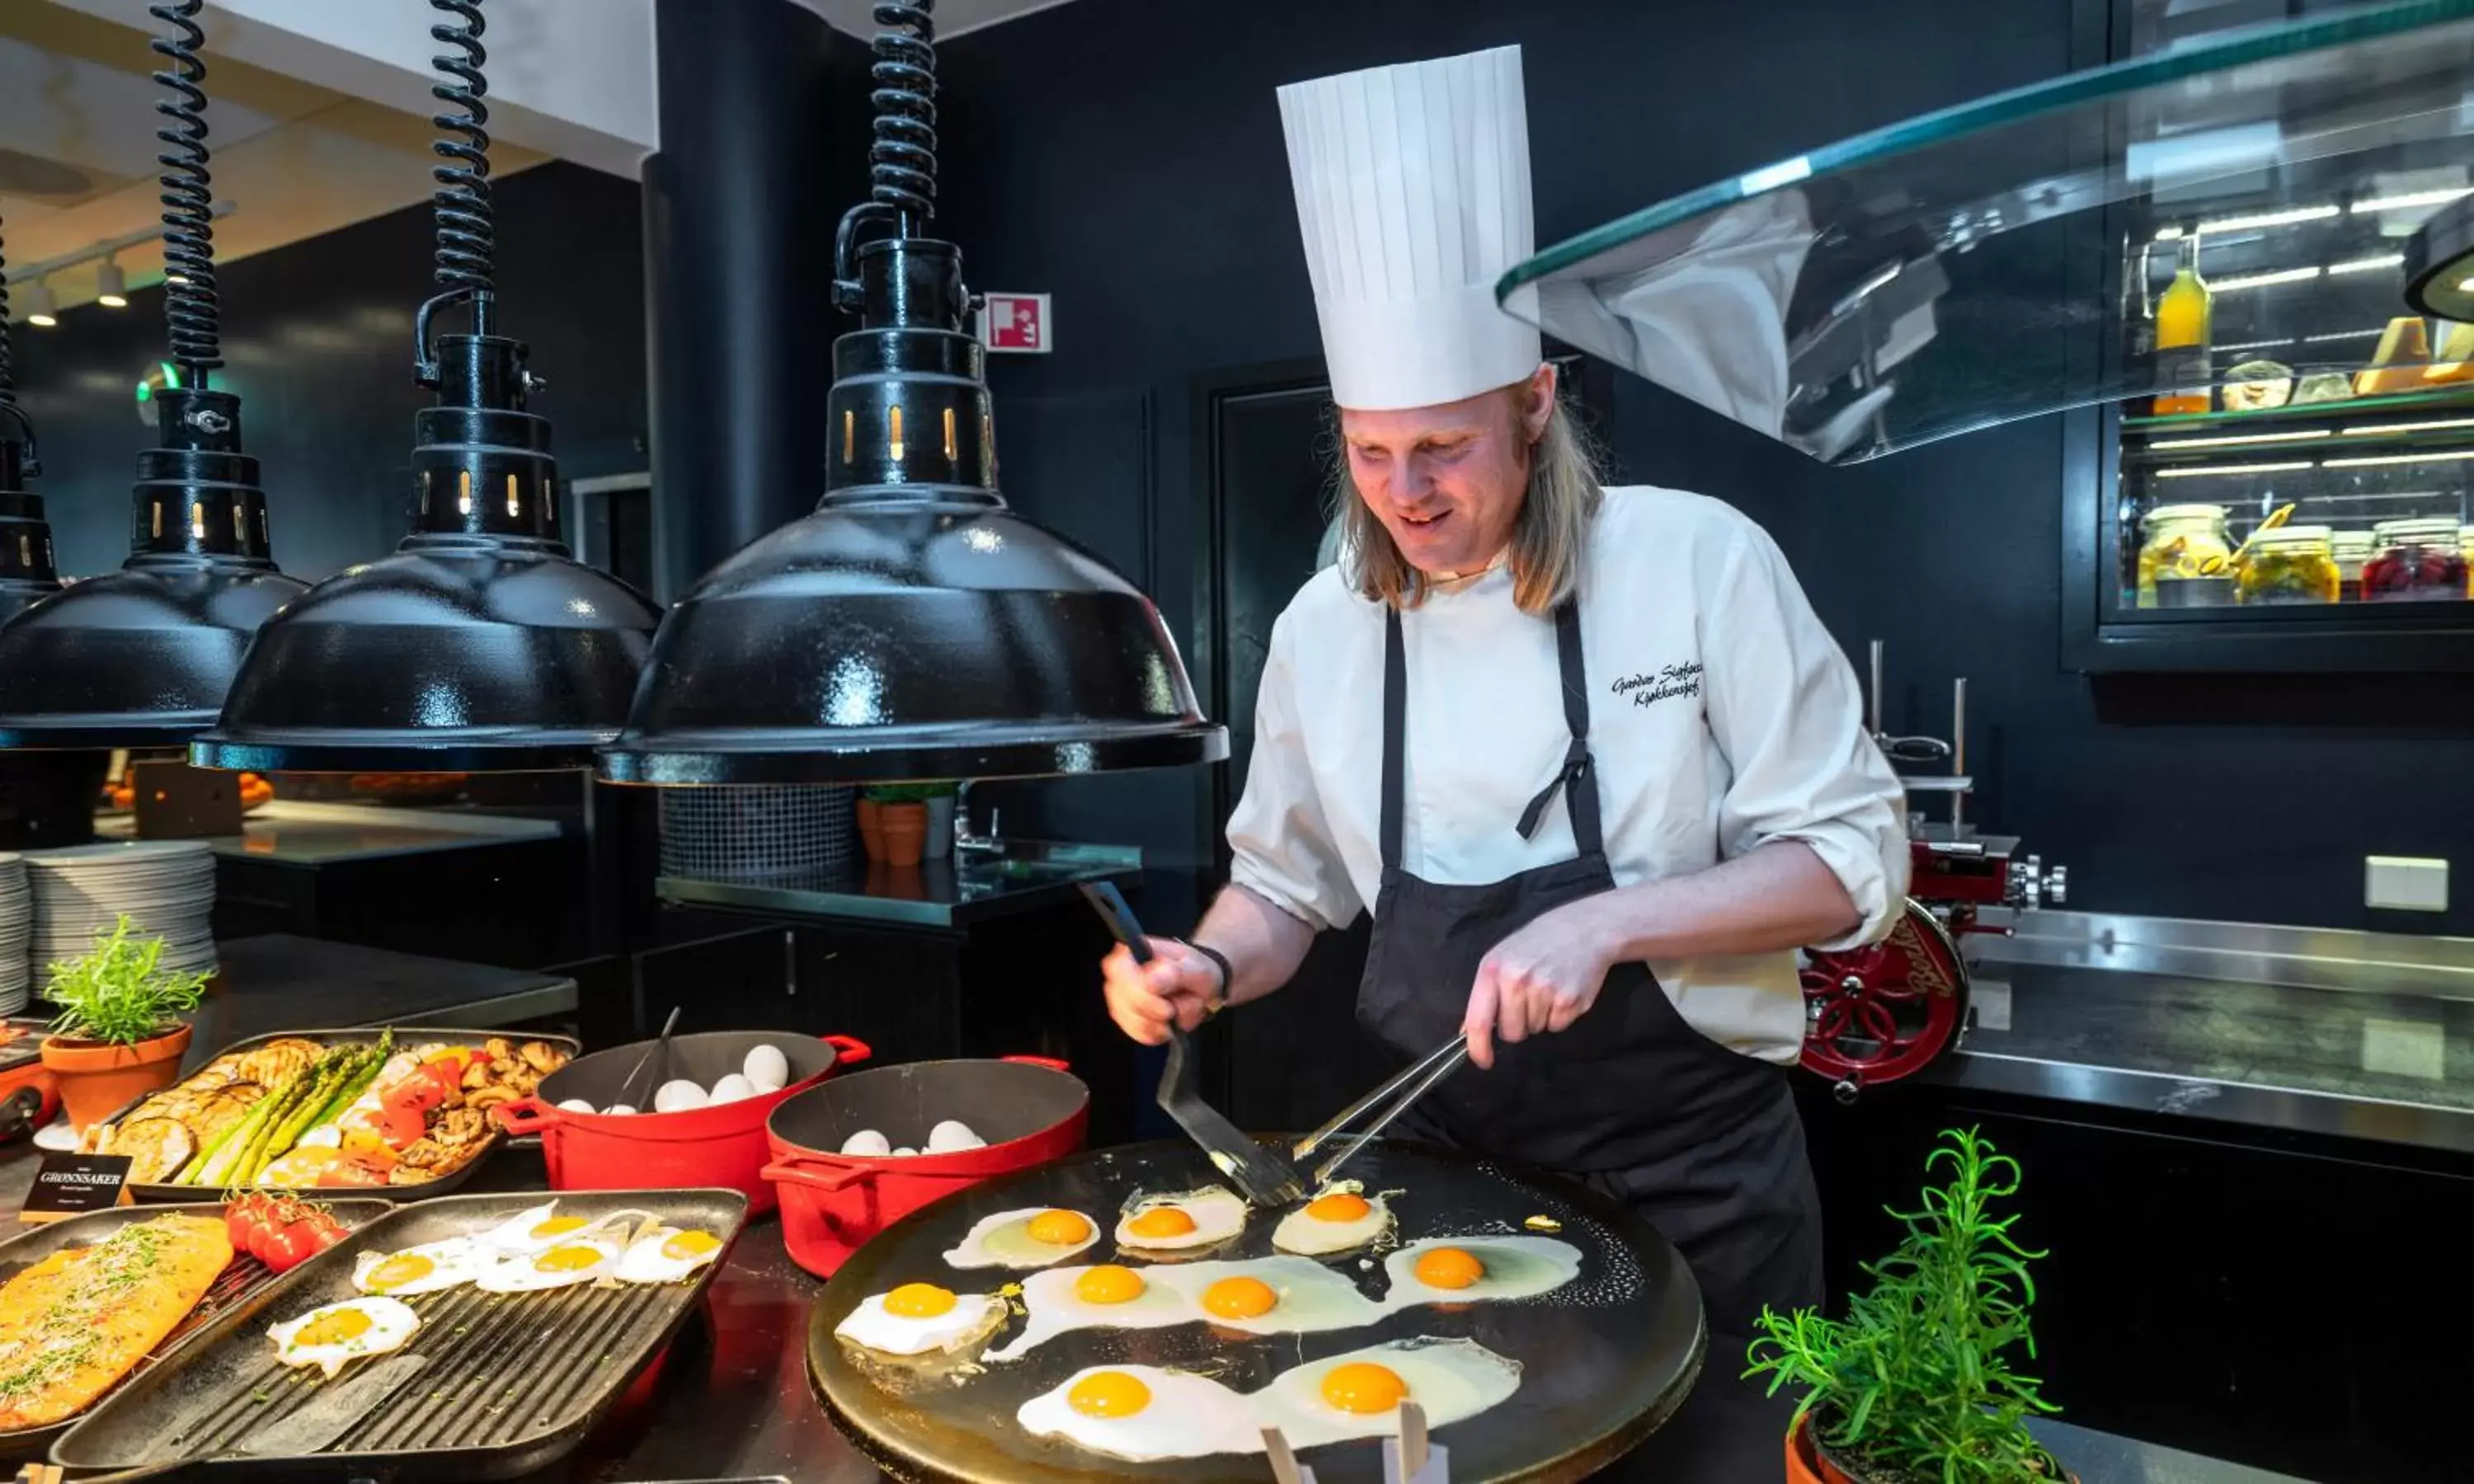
{"x":1982,"y":264}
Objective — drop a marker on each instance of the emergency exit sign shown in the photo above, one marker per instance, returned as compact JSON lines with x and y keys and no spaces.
{"x":1016,"y":322}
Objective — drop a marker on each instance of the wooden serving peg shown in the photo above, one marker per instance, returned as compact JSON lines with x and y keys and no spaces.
{"x":1411,"y":1458}
{"x":1285,"y":1467}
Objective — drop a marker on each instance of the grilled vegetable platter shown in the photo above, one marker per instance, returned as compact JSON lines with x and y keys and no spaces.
{"x":393,"y":1113}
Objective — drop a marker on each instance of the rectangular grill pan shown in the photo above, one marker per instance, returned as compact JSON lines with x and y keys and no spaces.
{"x":514,"y":1380}
{"x":240,"y":1278}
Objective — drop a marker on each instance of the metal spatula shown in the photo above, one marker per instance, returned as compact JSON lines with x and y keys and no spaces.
{"x":1265,"y":1180}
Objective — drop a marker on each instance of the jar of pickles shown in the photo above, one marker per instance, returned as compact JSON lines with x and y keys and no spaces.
{"x":2180,"y":538}
{"x":2352,"y":549}
{"x":2415,"y":560}
{"x":2289,"y":565}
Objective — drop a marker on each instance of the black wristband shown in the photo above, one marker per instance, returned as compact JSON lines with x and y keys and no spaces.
{"x":1228,"y":973}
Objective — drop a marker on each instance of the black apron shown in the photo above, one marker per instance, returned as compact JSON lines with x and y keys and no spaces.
{"x":1703,"y":1141}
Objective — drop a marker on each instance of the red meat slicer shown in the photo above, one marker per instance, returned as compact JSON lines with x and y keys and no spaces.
{"x":1887,"y":1011}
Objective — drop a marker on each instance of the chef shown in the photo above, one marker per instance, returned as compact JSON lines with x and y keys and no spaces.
{"x":1584,"y":752}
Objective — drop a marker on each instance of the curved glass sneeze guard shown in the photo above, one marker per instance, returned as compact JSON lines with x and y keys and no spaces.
{"x":1956,"y":270}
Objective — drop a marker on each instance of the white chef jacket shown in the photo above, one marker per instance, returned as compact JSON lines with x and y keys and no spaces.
{"x":1722,"y":717}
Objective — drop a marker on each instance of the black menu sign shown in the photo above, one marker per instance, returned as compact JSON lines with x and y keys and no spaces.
{"x":70,"y":1185}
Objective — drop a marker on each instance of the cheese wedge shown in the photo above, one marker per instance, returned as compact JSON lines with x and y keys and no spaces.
{"x":2403,"y":355}
{"x":74,"y":1323}
{"x":2456,"y":359}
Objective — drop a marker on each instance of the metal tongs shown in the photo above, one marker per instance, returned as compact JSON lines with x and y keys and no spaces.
{"x":1419,"y":1080}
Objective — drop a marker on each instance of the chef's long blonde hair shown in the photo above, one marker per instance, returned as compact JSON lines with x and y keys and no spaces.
{"x":1547,"y":540}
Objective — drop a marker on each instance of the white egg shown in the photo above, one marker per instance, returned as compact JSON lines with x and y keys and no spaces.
{"x":667,"y":1255}
{"x":679,"y":1095}
{"x":1107,"y":1296}
{"x":917,"y":1318}
{"x":905,"y":1152}
{"x":1032,"y":1238}
{"x":867,"y":1143}
{"x":578,"y":1105}
{"x":1342,"y":1217}
{"x":766,"y":1069}
{"x":619,"y":1109}
{"x":574,"y":1260}
{"x":951,"y":1134}
{"x":423,"y":1269}
{"x":332,"y":1335}
{"x":533,"y":1229}
{"x":1189,"y":1218}
{"x":731,"y":1088}
{"x":1451,"y":1381}
{"x":1143,"y":1413}
{"x":1510,"y":1268}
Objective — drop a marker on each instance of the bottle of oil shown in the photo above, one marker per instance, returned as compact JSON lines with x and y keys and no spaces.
{"x":2182,"y":339}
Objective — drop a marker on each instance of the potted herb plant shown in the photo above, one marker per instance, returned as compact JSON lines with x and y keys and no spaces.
{"x":901,"y":813}
{"x":118,"y":1033}
{"x":1915,"y":1385}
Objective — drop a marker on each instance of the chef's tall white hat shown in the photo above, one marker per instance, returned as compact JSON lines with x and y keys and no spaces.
{"x":1413,"y":194}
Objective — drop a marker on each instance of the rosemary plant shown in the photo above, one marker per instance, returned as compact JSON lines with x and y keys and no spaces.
{"x":1915,"y":1384}
{"x":118,"y":993}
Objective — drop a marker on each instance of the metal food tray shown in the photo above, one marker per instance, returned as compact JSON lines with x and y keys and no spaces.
{"x":513,"y":1382}
{"x":240,"y":1278}
{"x":405,"y":1034}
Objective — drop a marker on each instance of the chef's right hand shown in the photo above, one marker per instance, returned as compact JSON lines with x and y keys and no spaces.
{"x":1179,"y":986}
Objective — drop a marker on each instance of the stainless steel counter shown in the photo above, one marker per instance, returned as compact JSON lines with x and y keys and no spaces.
{"x":951,"y":893}
{"x":289,"y":833}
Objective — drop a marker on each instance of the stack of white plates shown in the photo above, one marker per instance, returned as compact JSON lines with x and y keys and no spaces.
{"x":16,"y":934}
{"x":167,"y":887}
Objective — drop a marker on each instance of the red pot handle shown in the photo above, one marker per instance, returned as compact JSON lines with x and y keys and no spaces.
{"x":528,"y":1114}
{"x":826,"y":1180}
{"x":848,"y":1050}
{"x":1049,"y":1062}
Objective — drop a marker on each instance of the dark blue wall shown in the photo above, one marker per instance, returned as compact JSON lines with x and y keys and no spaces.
{"x":319,"y":340}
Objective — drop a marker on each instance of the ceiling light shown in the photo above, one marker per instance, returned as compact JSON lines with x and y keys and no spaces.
{"x":479,"y":644}
{"x":2265,"y":219}
{"x":141,"y":656}
{"x":912,"y":626}
{"x":2438,"y":259}
{"x":2262,"y":280}
{"x":43,"y":311}
{"x":2200,"y":471}
{"x":2243,"y":438}
{"x":2411,"y":200}
{"x":111,"y":286}
{"x":2369,"y":461}
{"x":2432,"y":425}
{"x":2169,"y":233}
{"x":2365,"y":265}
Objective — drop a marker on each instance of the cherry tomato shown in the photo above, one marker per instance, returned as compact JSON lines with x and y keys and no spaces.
{"x":323,"y":1229}
{"x":288,"y":1247}
{"x":240,"y":1219}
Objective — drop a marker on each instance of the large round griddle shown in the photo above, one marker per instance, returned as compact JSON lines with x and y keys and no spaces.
{"x":1605,"y":1360}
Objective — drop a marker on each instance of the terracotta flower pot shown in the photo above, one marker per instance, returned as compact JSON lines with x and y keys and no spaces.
{"x":1808,"y":1464}
{"x":871,"y":828}
{"x":97,"y":1078}
{"x":906,"y":832}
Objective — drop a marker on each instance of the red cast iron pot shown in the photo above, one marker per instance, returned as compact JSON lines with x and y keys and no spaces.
{"x":1028,"y":1109}
{"x":723,"y":1145}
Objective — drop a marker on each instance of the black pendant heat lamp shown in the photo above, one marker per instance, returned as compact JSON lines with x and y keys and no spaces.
{"x":912,"y":626}
{"x":480,"y":644}
{"x":25,"y":571}
{"x":142,"y":657}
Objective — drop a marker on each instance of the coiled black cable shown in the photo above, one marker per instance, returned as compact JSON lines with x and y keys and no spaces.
{"x":190,"y":308}
{"x":902,"y":160}
{"x":468,"y":234}
{"x":8,"y":365}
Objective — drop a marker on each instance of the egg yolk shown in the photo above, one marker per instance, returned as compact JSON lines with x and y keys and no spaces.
{"x":1108,"y":1394}
{"x":1109,"y":1285}
{"x":1449,"y":1267}
{"x":567,"y":1259}
{"x":335,"y":1328}
{"x":1162,"y":1221}
{"x":1339,"y":1205}
{"x":1361,"y":1386}
{"x":689,"y":1244}
{"x":1059,"y":1228}
{"x":1240,"y":1298}
{"x":919,"y":1301}
{"x":404,"y":1267}
{"x":556,"y":1225}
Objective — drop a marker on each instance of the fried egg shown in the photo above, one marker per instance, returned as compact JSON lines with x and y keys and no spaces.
{"x":1030,"y":1238}
{"x":423,"y":1269}
{"x":1189,"y":1218}
{"x":1341,"y":1218}
{"x":333,"y":1336}
{"x":1479,"y":1269}
{"x":533,"y":1229}
{"x":1270,"y":1295}
{"x":1358,"y":1394}
{"x":1107,"y":1297}
{"x":917,"y":1318}
{"x":581,"y":1259}
{"x":667,"y":1255}
{"x":1144,"y":1413}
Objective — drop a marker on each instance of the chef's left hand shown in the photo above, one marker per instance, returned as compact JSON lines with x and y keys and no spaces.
{"x":1542,"y":978}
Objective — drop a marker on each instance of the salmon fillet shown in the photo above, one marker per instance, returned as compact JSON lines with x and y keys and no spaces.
{"x":74,"y":1323}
